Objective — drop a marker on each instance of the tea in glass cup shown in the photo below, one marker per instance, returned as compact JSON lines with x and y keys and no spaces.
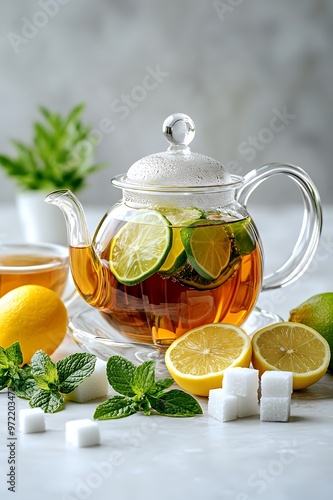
{"x":42,"y":264}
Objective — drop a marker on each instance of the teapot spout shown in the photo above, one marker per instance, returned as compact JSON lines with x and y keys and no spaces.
{"x":77,"y":229}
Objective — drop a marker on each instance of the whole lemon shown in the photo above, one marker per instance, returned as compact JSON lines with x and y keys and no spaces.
{"x":317,"y":312}
{"x":34,"y":316}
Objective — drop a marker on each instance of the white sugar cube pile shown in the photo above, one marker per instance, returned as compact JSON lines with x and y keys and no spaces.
{"x":238,"y":397}
{"x":276,"y":389}
{"x":92,"y":387}
{"x":32,"y":420}
{"x":82,"y":433}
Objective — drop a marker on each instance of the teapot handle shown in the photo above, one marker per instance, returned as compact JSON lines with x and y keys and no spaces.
{"x":309,"y":235}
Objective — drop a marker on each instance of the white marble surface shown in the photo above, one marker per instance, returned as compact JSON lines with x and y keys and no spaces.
{"x":160,"y":458}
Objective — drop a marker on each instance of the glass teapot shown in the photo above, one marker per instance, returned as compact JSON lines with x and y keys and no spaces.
{"x":180,"y":249}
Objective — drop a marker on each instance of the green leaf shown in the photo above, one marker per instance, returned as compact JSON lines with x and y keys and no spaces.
{"x":144,"y":378}
{"x":115,"y":407}
{"x":73,"y":369}
{"x":4,"y":378}
{"x":73,"y":116}
{"x":51,"y":153}
{"x":49,"y":401}
{"x":24,"y":384}
{"x":120,"y":373}
{"x":175,"y":403}
{"x":160,"y":385}
{"x":44,"y":371}
{"x":144,"y":405}
{"x":14,"y":353}
{"x":4,"y":361}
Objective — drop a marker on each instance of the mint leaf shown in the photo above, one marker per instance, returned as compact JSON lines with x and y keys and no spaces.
{"x":175,"y":403}
{"x":4,"y":369}
{"x":160,"y":385}
{"x":10,"y":359}
{"x":25,"y":388}
{"x":24,"y":384}
{"x":144,"y":405}
{"x":144,"y":378}
{"x":73,"y":369}
{"x":44,"y":371}
{"x":4,"y":361}
{"x":4,"y":378}
{"x":49,"y":401}
{"x":120,"y":374}
{"x":14,"y":353}
{"x":116,"y":407}
{"x":142,"y":393}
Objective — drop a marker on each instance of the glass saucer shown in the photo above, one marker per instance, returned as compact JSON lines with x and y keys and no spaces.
{"x":94,"y":334}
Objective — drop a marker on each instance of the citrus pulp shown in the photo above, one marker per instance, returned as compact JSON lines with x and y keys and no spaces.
{"x":291,"y":347}
{"x":197,"y":359}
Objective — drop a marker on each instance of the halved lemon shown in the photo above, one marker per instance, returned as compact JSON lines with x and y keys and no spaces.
{"x":197,"y":360}
{"x":208,"y":247}
{"x":140,"y":247}
{"x":291,"y":347}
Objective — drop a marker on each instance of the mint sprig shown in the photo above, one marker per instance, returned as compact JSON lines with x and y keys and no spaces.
{"x":141,"y":392}
{"x":55,"y":379}
{"x":11,"y":374}
{"x":43,"y":382}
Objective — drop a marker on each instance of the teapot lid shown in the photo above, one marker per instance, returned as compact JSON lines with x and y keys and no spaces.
{"x":178,"y":167}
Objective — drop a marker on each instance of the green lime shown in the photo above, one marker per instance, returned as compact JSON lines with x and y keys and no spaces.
{"x":207,"y":246}
{"x":243,"y":233}
{"x":188,"y":276}
{"x":140,"y":247}
{"x":181,"y":216}
{"x":178,"y":217}
{"x":317,"y":312}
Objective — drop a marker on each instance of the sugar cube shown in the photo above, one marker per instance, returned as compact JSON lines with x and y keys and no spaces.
{"x":274,"y":409}
{"x":247,"y":405}
{"x":222,"y":406}
{"x":92,"y":387}
{"x":32,"y":420}
{"x":276,"y":383}
{"x":240,"y":381}
{"x":82,"y":433}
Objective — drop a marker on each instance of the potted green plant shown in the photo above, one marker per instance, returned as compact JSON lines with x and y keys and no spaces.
{"x":60,"y":156}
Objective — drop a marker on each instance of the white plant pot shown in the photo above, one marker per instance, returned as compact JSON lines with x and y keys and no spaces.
{"x":40,"y":222}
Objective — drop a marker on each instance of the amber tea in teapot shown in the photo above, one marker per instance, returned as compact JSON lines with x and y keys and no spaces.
{"x":211,"y":272}
{"x":180,"y":249}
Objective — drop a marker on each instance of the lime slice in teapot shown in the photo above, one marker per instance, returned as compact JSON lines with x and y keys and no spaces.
{"x":208,"y":247}
{"x":178,"y":217}
{"x":140,"y":247}
{"x":241,"y":231}
{"x":243,"y":235}
{"x":188,"y":276}
{"x":181,"y":216}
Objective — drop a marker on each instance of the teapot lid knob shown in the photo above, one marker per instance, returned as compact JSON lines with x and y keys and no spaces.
{"x":179,"y":130}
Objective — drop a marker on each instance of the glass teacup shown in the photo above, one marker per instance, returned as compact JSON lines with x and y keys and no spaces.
{"x":42,"y":264}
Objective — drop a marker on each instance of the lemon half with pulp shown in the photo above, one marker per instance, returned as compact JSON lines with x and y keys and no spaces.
{"x":197,"y":360}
